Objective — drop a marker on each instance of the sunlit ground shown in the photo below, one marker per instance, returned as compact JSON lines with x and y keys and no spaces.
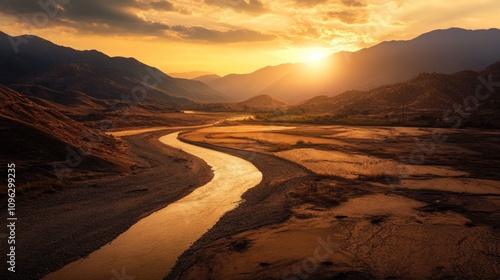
{"x":382,"y":215}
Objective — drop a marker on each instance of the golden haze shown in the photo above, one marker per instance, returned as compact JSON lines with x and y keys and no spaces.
{"x":224,"y":36}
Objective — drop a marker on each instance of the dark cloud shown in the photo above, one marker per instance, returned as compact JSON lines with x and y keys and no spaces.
{"x":198,"y":33}
{"x":310,"y":2}
{"x":353,"y":3}
{"x":161,"y":6}
{"x":349,"y":3}
{"x":348,"y":17}
{"x":242,"y":6}
{"x":120,"y":17}
{"x":96,"y":16}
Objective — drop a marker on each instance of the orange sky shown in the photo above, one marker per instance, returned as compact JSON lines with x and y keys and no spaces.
{"x":236,"y":36}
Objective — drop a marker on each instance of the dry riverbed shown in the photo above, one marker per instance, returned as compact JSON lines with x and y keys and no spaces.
{"x":58,"y":228}
{"x":364,"y":208}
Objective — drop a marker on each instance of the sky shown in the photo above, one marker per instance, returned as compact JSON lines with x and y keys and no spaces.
{"x":236,"y":36}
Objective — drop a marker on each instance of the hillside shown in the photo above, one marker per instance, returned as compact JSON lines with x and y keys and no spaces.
{"x":207,"y":78}
{"x":443,"y":51}
{"x":427,"y":99}
{"x":261,"y":103}
{"x":39,"y":62}
{"x":243,"y":86}
{"x":52,"y":146}
{"x":190,"y":75}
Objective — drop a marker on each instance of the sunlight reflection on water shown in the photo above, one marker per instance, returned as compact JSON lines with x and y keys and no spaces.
{"x":149,"y":249}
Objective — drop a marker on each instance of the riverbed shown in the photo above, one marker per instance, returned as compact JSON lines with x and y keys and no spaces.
{"x":149,"y":249}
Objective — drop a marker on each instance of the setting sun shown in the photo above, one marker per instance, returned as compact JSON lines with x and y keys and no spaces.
{"x":250,"y":139}
{"x":314,"y":55}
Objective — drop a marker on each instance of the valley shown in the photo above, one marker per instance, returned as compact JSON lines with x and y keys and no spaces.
{"x":380,"y":163}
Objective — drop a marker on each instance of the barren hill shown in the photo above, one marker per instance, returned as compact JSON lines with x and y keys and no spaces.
{"x":428,"y":95}
{"x":243,"y":86}
{"x":38,"y":62}
{"x":206,"y":79}
{"x":442,"y":51}
{"x":49,"y":144}
{"x":257,"y":103}
{"x":263,"y":102}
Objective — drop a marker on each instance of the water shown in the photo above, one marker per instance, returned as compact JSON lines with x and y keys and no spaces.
{"x":149,"y":249}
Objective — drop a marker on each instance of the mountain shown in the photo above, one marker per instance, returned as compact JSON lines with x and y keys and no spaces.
{"x":260,"y":103}
{"x":207,"y":78}
{"x":444,"y":51}
{"x":243,"y":86}
{"x":35,"y":62}
{"x":190,"y":75}
{"x":426,"y":97}
{"x":41,"y":141}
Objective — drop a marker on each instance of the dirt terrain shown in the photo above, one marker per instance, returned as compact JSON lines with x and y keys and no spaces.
{"x":57,"y":228}
{"x":384,"y":219}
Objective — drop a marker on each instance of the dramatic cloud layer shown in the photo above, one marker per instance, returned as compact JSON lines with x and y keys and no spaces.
{"x":198,"y":33}
{"x":272,"y":31}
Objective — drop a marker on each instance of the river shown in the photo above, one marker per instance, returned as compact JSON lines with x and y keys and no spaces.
{"x":150,"y":248}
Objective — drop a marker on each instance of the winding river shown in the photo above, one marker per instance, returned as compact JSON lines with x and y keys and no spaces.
{"x":150,"y":248}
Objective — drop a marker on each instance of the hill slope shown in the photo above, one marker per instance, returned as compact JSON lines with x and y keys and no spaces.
{"x":428,"y":96}
{"x":259,"y":103}
{"x":243,"y":86}
{"x":207,"y":78}
{"x":443,"y":51}
{"x":40,"y":62}
{"x":262,"y":102}
{"x":48,"y":145}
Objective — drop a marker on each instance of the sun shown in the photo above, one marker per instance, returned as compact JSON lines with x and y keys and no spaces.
{"x":314,"y":55}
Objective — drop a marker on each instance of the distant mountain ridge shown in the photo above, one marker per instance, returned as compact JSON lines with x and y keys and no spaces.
{"x":43,"y":63}
{"x":426,"y":97}
{"x":243,"y":86}
{"x":263,"y":102}
{"x":190,"y":75}
{"x":207,"y":78}
{"x":443,"y":51}
{"x":254,"y":104}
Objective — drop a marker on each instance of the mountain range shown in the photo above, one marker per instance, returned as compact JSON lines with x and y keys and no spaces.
{"x":442,"y":51}
{"x":190,"y":75}
{"x":44,"y":69}
{"x":255,"y":104}
{"x":52,"y":96}
{"x":428,"y":99}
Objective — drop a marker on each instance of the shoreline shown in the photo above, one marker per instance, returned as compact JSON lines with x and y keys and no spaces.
{"x":51,"y":225}
{"x":270,"y":197}
{"x":368,"y":224}
{"x":280,"y":203}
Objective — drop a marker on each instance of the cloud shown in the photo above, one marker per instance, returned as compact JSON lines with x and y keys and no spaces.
{"x":348,"y":17}
{"x":95,"y":16}
{"x":304,"y":42}
{"x":310,"y":2}
{"x":243,"y":6}
{"x":161,"y":6}
{"x":198,"y":33}
{"x":353,"y":3}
